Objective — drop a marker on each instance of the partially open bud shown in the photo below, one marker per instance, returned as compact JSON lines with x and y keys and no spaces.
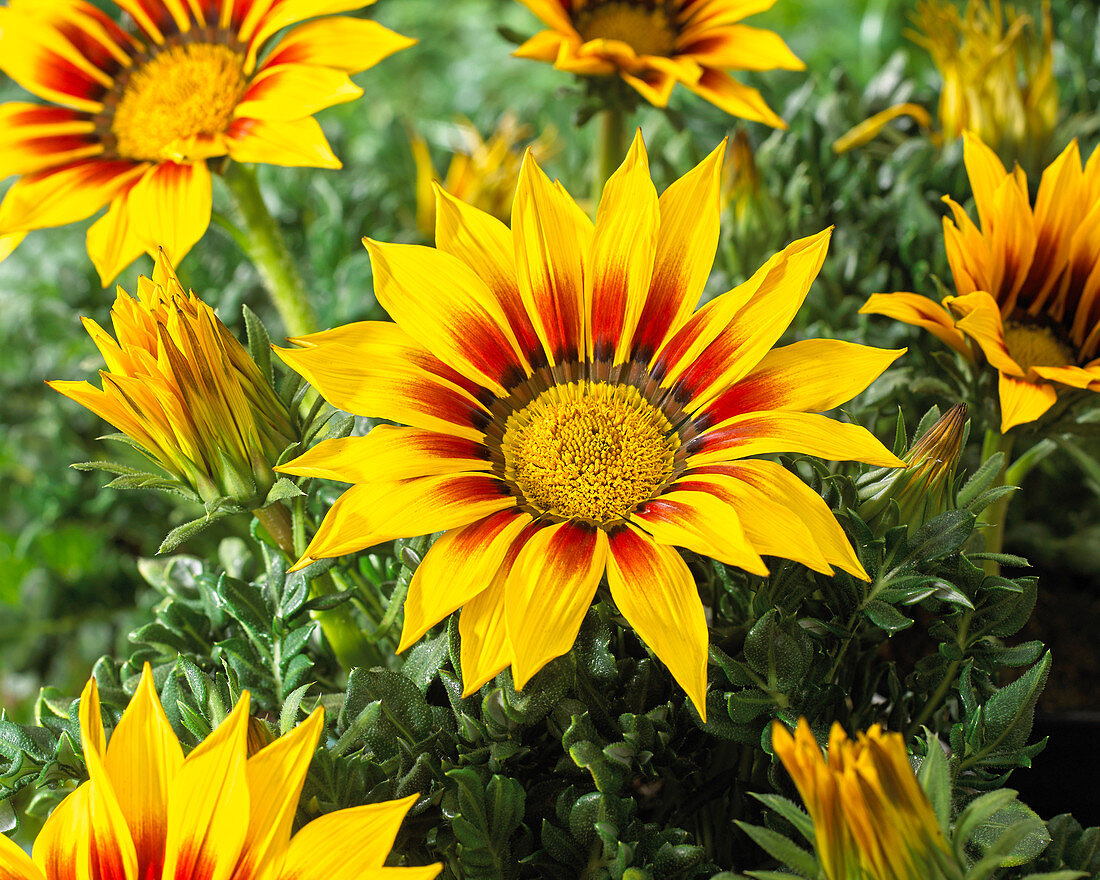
{"x":922,"y":489}
{"x":871,"y":817}
{"x":185,"y":392}
{"x":740,"y":176}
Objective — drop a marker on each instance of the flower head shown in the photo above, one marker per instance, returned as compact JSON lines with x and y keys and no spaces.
{"x":871,"y":818}
{"x":572,"y":414}
{"x":482,"y":173}
{"x":147,"y":812}
{"x":181,"y":387}
{"x":654,"y":44}
{"x":136,"y":112}
{"x":1027,"y":280}
{"x":923,"y":488}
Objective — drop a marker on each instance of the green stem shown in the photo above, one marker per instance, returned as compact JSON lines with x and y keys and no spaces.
{"x":610,"y":149}
{"x":993,"y":443}
{"x":263,"y":244}
{"x":940,"y":694}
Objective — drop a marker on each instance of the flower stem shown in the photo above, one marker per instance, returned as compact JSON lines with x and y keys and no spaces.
{"x":263,"y":244}
{"x":993,"y":443}
{"x":610,"y":149}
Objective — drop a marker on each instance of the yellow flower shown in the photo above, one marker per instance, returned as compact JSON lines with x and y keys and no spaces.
{"x":482,"y":173}
{"x":141,"y":110}
{"x":654,"y":44}
{"x":1027,"y":280}
{"x":572,"y":414}
{"x":998,"y":79}
{"x":148,"y":812}
{"x":871,"y":818}
{"x":181,"y":387}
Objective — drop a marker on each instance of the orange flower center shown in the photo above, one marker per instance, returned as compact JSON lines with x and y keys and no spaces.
{"x":174,"y":103}
{"x":1033,"y":346}
{"x":647,"y":27}
{"x":588,"y":450}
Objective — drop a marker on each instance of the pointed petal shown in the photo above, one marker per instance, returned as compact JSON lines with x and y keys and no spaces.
{"x":622,"y":256}
{"x":441,"y":300}
{"x":794,"y":432}
{"x":656,"y":593}
{"x":113,"y":243}
{"x":62,"y":849}
{"x":740,"y":47}
{"x":700,"y":523}
{"x":348,"y":44}
{"x":287,"y":92}
{"x":142,"y":761}
{"x":389,"y":453}
{"x":912,"y":308}
{"x":1023,"y":401}
{"x":485,"y":650}
{"x":16,"y":865}
{"x":551,"y":12}
{"x":8,"y":244}
{"x":460,"y":565}
{"x":735,"y":98}
{"x":548,"y":592}
{"x":687,"y":240}
{"x":349,"y":844}
{"x":371,"y":513}
{"x":812,"y":376}
{"x":297,"y":143}
{"x":552,"y":241}
{"x":170,"y":208}
{"x":208,"y":804}
{"x":543,"y":46}
{"x":981,"y":321}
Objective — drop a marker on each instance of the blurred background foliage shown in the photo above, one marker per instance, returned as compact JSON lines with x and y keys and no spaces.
{"x":69,"y":585}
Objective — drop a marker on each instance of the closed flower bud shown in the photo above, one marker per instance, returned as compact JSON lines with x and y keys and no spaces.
{"x":740,"y":176}
{"x":181,"y":387}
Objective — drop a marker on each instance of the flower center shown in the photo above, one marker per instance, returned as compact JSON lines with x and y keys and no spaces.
{"x":181,"y":94}
{"x":1033,"y":346}
{"x":647,"y":27}
{"x":589,"y":451}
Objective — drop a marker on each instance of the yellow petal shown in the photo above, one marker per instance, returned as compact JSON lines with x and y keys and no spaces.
{"x":351,"y":844}
{"x":549,"y":590}
{"x":142,"y":761}
{"x":208,"y":804}
{"x":170,"y":208}
{"x":795,"y":432}
{"x":981,"y":321}
{"x":112,"y":242}
{"x":912,"y":308}
{"x":348,"y":44}
{"x":371,"y":513}
{"x":740,"y":47}
{"x":286,"y":92}
{"x":986,"y":174}
{"x":1023,"y":401}
{"x":550,"y":12}
{"x":389,"y":453}
{"x":292,"y":144}
{"x":484,"y":649}
{"x":15,"y":864}
{"x":654,"y":589}
{"x":459,"y":565}
{"x":63,"y":848}
{"x":735,"y":98}
{"x":869,"y":129}
{"x":621,"y":263}
{"x":8,"y":244}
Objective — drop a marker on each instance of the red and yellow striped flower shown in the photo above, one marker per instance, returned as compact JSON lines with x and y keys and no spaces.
{"x":137,"y":112}
{"x":1028,"y":280}
{"x":573,"y":415}
{"x":654,"y":44}
{"x":872,"y":820}
{"x":148,"y":813}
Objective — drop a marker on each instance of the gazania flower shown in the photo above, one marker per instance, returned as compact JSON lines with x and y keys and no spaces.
{"x":181,"y":387}
{"x":571,"y":414}
{"x":482,"y":173}
{"x":654,"y":44}
{"x":871,"y":817}
{"x":1027,"y":280}
{"x":147,"y":812}
{"x":136,"y":113}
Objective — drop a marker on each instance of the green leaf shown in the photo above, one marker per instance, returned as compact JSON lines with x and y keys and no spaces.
{"x":259,"y":343}
{"x":935,"y":778}
{"x":182,"y":533}
{"x":939,"y":537}
{"x":789,"y":811}
{"x":1014,"y":833}
{"x":886,"y":616}
{"x":1010,"y":712}
{"x":782,"y":848}
{"x":981,"y":479}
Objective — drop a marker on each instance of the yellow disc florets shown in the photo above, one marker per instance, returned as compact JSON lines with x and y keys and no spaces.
{"x":589,"y":451}
{"x":181,"y":93}
{"x":644,"y":26}
{"x":1034,"y":346}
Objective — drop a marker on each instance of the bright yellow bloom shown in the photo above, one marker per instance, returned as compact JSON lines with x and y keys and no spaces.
{"x":482,"y":173}
{"x":872,"y":820}
{"x":572,"y":414}
{"x":654,"y":44}
{"x":147,"y":812}
{"x":182,"y":387}
{"x":998,"y":79}
{"x":1028,"y":280}
{"x":143,"y":109}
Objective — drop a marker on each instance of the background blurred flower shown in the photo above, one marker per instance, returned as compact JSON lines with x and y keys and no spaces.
{"x":141,"y":111}
{"x":149,"y":812}
{"x":482,"y":173}
{"x":187,"y":393}
{"x":572,"y":414}
{"x":1028,"y":280}
{"x":654,"y":45}
{"x":871,"y":819}
{"x":740,"y":176}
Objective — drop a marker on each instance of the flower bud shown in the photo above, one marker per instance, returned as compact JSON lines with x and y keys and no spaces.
{"x":740,"y":176}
